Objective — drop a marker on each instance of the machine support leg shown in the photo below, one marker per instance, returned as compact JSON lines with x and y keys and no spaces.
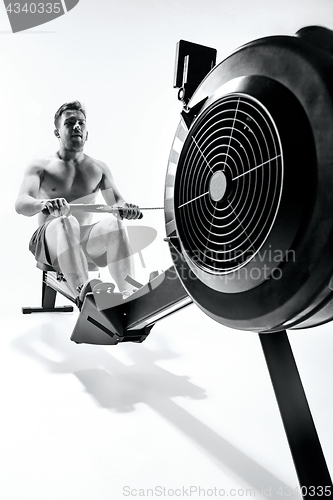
{"x":309,"y":460}
{"x":48,"y":294}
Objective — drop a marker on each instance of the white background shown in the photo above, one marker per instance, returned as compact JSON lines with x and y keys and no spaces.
{"x":193,"y":405}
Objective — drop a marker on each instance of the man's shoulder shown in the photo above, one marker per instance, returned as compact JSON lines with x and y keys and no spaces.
{"x":101,"y":165}
{"x":39,"y":164}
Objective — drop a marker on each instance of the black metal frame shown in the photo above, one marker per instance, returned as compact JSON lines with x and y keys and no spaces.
{"x":305,"y":447}
{"x":49,"y":296}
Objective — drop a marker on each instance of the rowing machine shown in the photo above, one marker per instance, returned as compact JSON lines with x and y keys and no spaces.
{"x":248,"y":209}
{"x":247,"y":193}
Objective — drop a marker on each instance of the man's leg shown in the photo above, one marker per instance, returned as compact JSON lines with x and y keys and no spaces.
{"x":63,"y":243}
{"x":110,"y":236}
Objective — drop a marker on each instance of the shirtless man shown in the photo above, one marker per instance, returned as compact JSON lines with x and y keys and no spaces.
{"x":65,"y":241}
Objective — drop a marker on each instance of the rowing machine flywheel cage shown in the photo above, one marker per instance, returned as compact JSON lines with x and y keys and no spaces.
{"x":249,"y":186}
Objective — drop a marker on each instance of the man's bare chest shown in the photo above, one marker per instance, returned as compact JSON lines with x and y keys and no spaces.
{"x":72,"y":183}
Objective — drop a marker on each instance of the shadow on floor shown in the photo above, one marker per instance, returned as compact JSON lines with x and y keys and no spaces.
{"x":120,"y":387}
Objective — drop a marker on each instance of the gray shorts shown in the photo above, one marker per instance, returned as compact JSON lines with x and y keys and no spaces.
{"x":38,"y":246}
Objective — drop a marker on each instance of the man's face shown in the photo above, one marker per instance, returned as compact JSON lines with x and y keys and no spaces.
{"x":73,"y":130}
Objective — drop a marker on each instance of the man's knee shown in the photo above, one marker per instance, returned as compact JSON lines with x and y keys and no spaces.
{"x":64,"y":226}
{"x":64,"y":222}
{"x":106,"y":231}
{"x":111,"y":224}
{"x":109,"y":227}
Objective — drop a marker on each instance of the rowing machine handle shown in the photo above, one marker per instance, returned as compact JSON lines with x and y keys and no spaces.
{"x":122,"y":213}
{"x":96,"y":209}
{"x":111,"y":209}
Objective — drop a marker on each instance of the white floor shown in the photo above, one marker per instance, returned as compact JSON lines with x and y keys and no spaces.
{"x":192,"y":407}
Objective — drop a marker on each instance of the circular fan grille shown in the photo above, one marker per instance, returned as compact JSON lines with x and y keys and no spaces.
{"x":228,"y":184}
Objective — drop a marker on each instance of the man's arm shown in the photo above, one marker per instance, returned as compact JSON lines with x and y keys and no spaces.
{"x":108,"y":187}
{"x":112,"y":195}
{"x":27,"y":203}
